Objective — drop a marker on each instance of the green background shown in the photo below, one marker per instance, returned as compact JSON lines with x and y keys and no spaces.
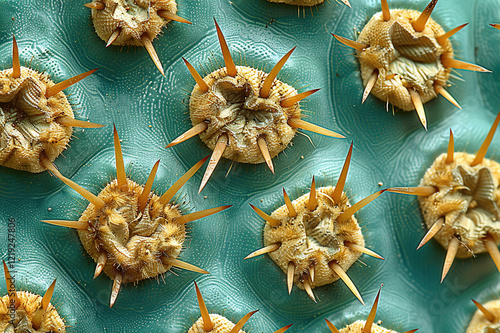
{"x":150,"y":110}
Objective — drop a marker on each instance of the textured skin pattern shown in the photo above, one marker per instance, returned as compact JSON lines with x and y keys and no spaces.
{"x":132,"y":18}
{"x":127,"y":90}
{"x":234,"y":106}
{"x":314,"y":238}
{"x":394,"y":47}
{"x":27,"y":127}
{"x":133,"y":241}
{"x":299,"y":2}
{"x":29,"y":304}
{"x":468,"y":199}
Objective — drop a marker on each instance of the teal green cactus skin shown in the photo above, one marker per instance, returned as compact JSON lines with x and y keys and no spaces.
{"x":150,"y":110}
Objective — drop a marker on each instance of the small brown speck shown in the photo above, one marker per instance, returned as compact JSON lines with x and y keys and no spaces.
{"x":380,"y":184}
